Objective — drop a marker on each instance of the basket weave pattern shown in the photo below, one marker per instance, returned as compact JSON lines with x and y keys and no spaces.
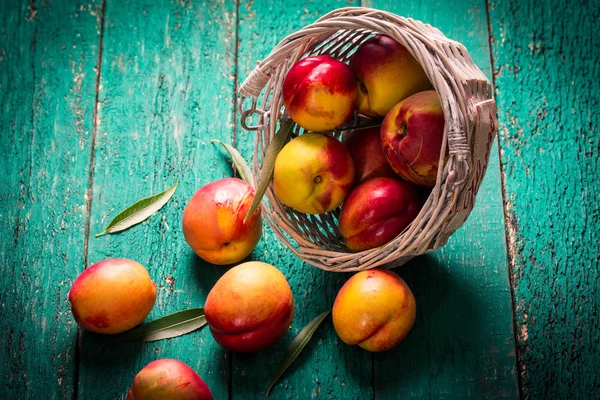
{"x":470,"y":127}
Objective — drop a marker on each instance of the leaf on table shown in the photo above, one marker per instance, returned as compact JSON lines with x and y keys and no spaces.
{"x":294,"y":349}
{"x":240,"y":164}
{"x":268,"y":164}
{"x":139,"y":211}
{"x":167,"y":327}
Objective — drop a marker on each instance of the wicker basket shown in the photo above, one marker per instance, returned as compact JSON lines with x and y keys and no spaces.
{"x":470,"y":128}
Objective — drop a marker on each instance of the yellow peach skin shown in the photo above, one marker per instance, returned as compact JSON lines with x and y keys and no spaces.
{"x":213,"y":222}
{"x":313,"y":173}
{"x":319,"y":93}
{"x":250,"y":307}
{"x":112,"y":296}
{"x":374,"y":309}
{"x":167,"y":379}
{"x":386,"y":73}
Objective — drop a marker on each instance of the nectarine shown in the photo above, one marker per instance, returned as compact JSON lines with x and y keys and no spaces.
{"x":319,"y":93}
{"x":213,"y":222}
{"x":112,"y":296}
{"x":412,"y":134}
{"x":374,"y":309}
{"x":313,"y":173}
{"x":377,"y":211}
{"x":364,"y":147}
{"x":386,"y":73}
{"x":167,"y":379}
{"x":250,"y":307}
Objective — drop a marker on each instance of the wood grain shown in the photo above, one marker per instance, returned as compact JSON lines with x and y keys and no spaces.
{"x":546,"y":71}
{"x":327,"y":368}
{"x":165,"y":87}
{"x":167,"y":83}
{"x":462,"y":343}
{"x":47,"y":82}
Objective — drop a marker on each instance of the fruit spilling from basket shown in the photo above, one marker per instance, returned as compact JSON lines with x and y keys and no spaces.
{"x":368,"y":150}
{"x":375,"y":174}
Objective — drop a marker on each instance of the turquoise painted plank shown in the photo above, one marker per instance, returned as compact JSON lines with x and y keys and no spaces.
{"x":462,"y":343}
{"x":47,"y":83}
{"x":327,"y":368}
{"x":167,"y":84}
{"x":546,"y":71}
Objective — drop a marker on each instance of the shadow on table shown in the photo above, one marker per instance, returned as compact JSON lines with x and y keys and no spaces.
{"x":449,"y":321}
{"x":207,"y":274}
{"x":102,"y":364}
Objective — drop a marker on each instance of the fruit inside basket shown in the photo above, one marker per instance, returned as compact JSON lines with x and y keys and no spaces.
{"x":373,"y":133}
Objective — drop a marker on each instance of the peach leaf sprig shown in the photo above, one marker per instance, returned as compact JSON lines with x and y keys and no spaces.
{"x":169,"y":326}
{"x":363,"y":123}
{"x":268,"y":164}
{"x":139,"y":211}
{"x":296,"y":347}
{"x":240,"y":164}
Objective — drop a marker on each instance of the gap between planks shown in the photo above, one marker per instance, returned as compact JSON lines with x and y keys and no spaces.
{"x":234,"y":98}
{"x":95,"y":123}
{"x":507,"y":222}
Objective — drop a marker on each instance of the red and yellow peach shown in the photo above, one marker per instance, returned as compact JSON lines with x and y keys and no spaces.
{"x":411,"y":135}
{"x":313,"y":173}
{"x":167,"y":379}
{"x":364,"y":147}
{"x":250,"y":307}
{"x":386,"y":73}
{"x":213,"y":222}
{"x":112,"y":296}
{"x":319,"y":93}
{"x":377,"y":211}
{"x":374,"y":309}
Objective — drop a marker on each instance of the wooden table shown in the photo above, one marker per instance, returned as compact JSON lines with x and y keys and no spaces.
{"x":102,"y":103}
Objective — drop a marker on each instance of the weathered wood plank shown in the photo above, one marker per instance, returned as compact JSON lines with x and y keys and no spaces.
{"x":48,"y":53}
{"x":546,"y":71}
{"x":462,"y":343}
{"x":167,"y":86}
{"x":328,"y":368}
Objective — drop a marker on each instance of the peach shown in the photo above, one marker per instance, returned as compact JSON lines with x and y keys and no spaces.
{"x":313,"y":173}
{"x":250,"y":307}
{"x":112,"y":296}
{"x":319,"y":93}
{"x":374,"y":309}
{"x":364,"y":147}
{"x":213,"y":222}
{"x":167,"y":379}
{"x":377,"y":211}
{"x":386,"y":73}
{"x":411,"y":136}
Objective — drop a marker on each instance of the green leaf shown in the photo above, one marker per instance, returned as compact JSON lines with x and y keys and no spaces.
{"x":294,"y":349}
{"x":170,"y":326}
{"x":362,"y":125}
{"x":268,"y":164}
{"x":239,"y":162}
{"x":139,"y":211}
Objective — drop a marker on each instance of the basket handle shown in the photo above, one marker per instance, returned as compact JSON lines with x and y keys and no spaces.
{"x":486,"y":128}
{"x":255,"y":82}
